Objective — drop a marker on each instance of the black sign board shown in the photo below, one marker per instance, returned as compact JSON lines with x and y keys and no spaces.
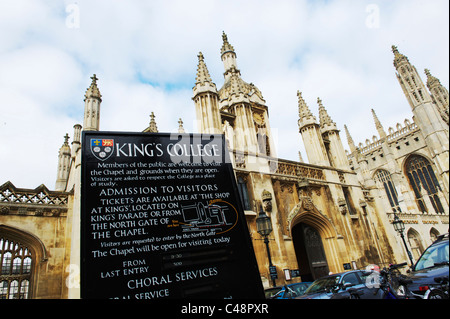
{"x":161,"y":218}
{"x":273,"y":272}
{"x":295,"y":273}
{"x":347,"y":266}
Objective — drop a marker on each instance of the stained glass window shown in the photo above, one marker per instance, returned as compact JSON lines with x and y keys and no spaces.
{"x":16,"y":262}
{"x":424,"y":183}
{"x":384,"y":178}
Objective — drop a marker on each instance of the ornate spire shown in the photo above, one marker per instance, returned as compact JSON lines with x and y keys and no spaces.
{"x":229,"y":59}
{"x":431,"y":80}
{"x":93,"y":91}
{"x":304,"y":113}
{"x":62,"y":173}
{"x":439,"y":94}
{"x":351,"y":144}
{"x":324,"y":118}
{"x":202,"y":71}
{"x":398,"y":57}
{"x":152,"y":128}
{"x":92,"y":102}
{"x":66,"y":139}
{"x":203,"y":81}
{"x":180,"y":126}
{"x":378,"y":125}
{"x":303,"y":109}
{"x":226,"y":47}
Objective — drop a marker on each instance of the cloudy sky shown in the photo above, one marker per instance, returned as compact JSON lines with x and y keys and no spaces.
{"x":145,"y":56}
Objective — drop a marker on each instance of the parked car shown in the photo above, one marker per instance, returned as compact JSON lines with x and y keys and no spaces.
{"x":287,"y":291}
{"x":335,"y":287}
{"x":433,"y":263}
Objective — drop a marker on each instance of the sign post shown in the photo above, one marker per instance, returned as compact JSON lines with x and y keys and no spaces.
{"x":161,"y":218}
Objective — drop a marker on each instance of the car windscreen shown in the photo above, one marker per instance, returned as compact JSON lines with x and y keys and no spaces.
{"x":434,"y":256}
{"x":323,"y":284}
{"x":271,"y":292}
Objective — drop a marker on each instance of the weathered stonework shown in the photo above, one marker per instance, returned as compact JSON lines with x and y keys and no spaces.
{"x":327,"y":214}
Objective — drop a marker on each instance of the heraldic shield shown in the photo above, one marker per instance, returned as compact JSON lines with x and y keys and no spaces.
{"x":102,"y":149}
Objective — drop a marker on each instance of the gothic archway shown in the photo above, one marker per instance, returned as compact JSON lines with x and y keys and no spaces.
{"x":314,"y":239}
{"x":311,"y":258}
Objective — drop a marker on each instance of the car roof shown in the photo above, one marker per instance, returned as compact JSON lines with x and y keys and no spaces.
{"x":342,"y":273}
{"x":282,"y":286}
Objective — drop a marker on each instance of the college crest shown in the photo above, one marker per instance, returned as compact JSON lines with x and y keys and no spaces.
{"x":102,"y":149}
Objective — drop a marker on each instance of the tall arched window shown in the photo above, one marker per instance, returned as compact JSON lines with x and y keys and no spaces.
{"x":16,"y":262}
{"x":384,"y":178}
{"x":424,"y":183}
{"x":415,"y":243}
{"x":243,"y":192}
{"x":434,"y":234}
{"x":263,"y":141}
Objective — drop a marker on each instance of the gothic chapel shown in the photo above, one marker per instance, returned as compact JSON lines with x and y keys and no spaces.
{"x":329,"y":215}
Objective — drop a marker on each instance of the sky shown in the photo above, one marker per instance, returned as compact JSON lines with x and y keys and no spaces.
{"x":145,"y":56}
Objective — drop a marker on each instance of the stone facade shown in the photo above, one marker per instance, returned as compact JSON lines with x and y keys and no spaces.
{"x":331,"y":214}
{"x":33,"y":223}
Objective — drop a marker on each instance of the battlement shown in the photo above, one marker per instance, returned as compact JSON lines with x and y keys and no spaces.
{"x":401,"y":132}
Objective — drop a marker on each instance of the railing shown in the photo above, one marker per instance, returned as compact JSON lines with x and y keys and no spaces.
{"x":40,"y":201}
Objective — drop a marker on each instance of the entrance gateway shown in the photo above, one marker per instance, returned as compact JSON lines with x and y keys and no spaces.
{"x":311,"y":258}
{"x":161,"y":218}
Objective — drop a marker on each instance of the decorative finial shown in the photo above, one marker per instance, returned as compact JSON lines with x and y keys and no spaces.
{"x":303,"y":109}
{"x":300,"y":157}
{"x":180,"y":126}
{"x":433,"y":81}
{"x":152,"y":127}
{"x":226,"y":47}
{"x":94,"y":79}
{"x":203,"y":75}
{"x":324,"y":117}
{"x":93,"y":91}
{"x":398,"y":57}
{"x":378,"y":125}
{"x":349,"y":139}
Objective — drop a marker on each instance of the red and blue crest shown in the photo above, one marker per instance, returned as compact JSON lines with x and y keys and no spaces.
{"x":102,"y":149}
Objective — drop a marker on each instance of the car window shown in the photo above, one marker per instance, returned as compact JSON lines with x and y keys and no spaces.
{"x":299,"y":289}
{"x":351,"y":278}
{"x":433,"y":255}
{"x":323,"y":284}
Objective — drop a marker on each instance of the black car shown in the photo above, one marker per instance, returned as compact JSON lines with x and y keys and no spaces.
{"x":336,"y":286}
{"x":432,"y":264}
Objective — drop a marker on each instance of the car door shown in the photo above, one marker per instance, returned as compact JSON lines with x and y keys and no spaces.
{"x":353,"y":280}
